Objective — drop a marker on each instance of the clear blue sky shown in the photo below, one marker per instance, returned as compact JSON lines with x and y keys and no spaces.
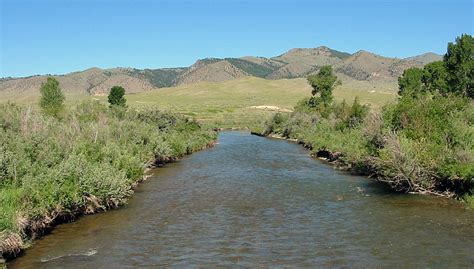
{"x":61,"y":36}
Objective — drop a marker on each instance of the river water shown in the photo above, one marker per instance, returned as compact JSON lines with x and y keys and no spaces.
{"x":259,"y":202}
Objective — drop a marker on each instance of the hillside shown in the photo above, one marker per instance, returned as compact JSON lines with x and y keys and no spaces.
{"x":93,"y":81}
{"x":426,"y":58}
{"x":212,"y":70}
{"x":295,"y":63}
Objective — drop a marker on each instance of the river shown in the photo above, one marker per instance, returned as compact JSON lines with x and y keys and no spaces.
{"x":259,"y":202}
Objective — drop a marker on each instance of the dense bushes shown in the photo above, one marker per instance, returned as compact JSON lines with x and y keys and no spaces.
{"x":86,"y":161}
{"x":430,"y":145}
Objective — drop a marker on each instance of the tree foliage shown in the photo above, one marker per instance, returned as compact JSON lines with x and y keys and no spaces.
{"x":116,"y":96}
{"x":410,"y":84}
{"x":453,"y":75}
{"x":459,"y":62}
{"x":52,"y":98}
{"x":323,"y":83}
{"x":435,"y":77}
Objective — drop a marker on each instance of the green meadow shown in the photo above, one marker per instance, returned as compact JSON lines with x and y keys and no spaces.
{"x":248,"y":102}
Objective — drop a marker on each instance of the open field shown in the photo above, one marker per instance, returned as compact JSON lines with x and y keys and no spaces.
{"x":249,"y":101}
{"x":244,"y":102}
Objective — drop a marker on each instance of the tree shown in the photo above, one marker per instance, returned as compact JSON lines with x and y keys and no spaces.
{"x":459,"y":62}
{"x":357,"y":114}
{"x":435,"y":77}
{"x":410,"y":84}
{"x":323,"y":84}
{"x":116,"y":96}
{"x":52,"y":98}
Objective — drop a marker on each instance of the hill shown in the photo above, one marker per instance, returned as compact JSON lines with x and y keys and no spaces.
{"x":364,"y":65}
{"x":426,"y":58}
{"x":295,"y":63}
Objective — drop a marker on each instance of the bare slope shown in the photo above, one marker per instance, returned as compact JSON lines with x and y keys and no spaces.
{"x":211,"y":70}
{"x":426,"y":58}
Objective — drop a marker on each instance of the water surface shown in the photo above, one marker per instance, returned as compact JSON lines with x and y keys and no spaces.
{"x":258,"y":202}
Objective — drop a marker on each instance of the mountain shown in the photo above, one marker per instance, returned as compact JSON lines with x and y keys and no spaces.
{"x":213,"y":70}
{"x":93,"y":81}
{"x":426,"y":58}
{"x":295,"y":63}
{"x":300,"y":62}
{"x":364,"y":65}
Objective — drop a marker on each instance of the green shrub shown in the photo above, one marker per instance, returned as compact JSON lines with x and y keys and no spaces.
{"x":116,"y":96}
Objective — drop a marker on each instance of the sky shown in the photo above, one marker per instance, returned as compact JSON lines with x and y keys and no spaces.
{"x":62,"y":36}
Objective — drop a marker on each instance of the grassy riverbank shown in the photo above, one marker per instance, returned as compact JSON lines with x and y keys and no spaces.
{"x":415,"y":145}
{"x":86,"y":160}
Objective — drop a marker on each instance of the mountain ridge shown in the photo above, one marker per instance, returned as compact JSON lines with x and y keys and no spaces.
{"x":294,"y":63}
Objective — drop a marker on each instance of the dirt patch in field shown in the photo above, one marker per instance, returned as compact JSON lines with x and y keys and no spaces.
{"x":272,"y":108}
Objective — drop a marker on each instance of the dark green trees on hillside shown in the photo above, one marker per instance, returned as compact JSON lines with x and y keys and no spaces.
{"x":459,"y":62}
{"x":323,"y":83}
{"x":116,"y":96}
{"x":52,"y":98}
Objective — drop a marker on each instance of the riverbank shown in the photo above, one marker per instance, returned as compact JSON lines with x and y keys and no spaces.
{"x":333,"y":158}
{"x":417,"y":158}
{"x":361,"y":169}
{"x":53,"y":170}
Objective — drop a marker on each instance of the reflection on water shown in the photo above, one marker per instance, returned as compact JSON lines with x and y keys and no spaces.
{"x":253,"y":201}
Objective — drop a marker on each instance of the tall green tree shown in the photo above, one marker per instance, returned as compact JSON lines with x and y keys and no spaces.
{"x":116,"y":96}
{"x":410,"y":84}
{"x":52,"y":98}
{"x":435,"y":77}
{"x":459,"y":61}
{"x":323,"y":83}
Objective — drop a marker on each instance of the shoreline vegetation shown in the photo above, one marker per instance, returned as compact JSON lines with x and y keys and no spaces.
{"x":347,"y":151}
{"x":423,"y":143}
{"x":85,"y":159}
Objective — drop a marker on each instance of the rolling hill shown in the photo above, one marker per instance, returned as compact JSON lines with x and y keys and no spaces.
{"x":295,"y":63}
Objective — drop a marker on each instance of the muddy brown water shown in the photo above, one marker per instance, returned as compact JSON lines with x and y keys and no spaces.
{"x":259,"y":202}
